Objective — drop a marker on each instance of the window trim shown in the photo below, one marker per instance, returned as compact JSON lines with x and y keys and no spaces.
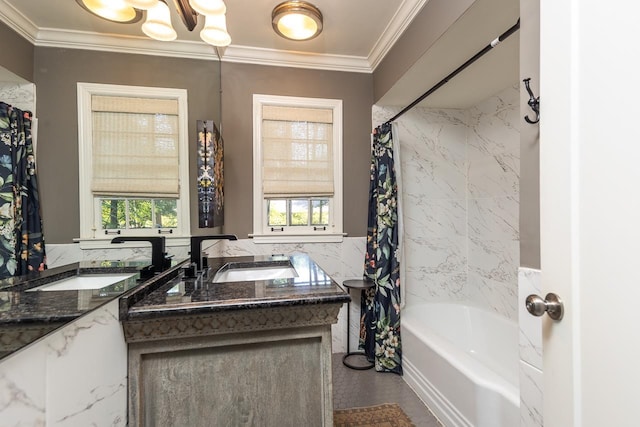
{"x":334,"y":232}
{"x":89,"y":217}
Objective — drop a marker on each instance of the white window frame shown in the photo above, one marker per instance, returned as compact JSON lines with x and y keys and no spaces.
{"x":261,"y":232}
{"x":89,"y":205}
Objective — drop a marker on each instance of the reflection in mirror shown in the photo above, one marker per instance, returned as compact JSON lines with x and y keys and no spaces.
{"x":61,"y":252}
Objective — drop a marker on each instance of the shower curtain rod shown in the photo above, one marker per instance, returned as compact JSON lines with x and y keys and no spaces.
{"x":471,"y":60}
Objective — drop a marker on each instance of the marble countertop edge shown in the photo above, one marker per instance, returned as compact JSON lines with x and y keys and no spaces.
{"x":229,"y":305}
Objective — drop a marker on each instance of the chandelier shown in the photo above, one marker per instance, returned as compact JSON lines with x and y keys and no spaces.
{"x":157,"y":23}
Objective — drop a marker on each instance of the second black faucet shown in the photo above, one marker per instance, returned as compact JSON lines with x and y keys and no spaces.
{"x":158,"y":255}
{"x":196,"y":246}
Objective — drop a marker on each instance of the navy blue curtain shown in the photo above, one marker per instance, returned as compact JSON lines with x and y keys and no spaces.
{"x":21,"y":238}
{"x":380,"y":305}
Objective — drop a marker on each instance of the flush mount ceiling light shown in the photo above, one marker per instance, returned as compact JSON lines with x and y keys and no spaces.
{"x":297,"y":20}
{"x":112,"y":10}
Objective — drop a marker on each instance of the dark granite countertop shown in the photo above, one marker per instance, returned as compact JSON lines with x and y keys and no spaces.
{"x":182,"y":295}
{"x":27,"y":314}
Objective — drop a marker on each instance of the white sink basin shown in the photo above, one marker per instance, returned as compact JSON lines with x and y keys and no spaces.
{"x":84,"y":282}
{"x":254,"y":273}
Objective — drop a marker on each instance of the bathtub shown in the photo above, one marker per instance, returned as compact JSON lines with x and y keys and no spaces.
{"x":462,"y":361}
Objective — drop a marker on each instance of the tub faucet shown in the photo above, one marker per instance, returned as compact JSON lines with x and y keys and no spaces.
{"x":196,"y":246}
{"x":158,"y":254}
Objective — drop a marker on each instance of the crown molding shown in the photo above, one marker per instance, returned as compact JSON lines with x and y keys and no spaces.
{"x":396,"y":27}
{"x":281,"y":58}
{"x":18,"y":22}
{"x":50,"y":37}
{"x":53,"y":37}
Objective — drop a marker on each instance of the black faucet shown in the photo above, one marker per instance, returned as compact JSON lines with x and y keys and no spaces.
{"x":158,"y":254}
{"x":196,"y":246}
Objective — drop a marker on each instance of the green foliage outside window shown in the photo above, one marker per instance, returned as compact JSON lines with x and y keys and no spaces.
{"x":138,"y":213}
{"x":298,"y":212}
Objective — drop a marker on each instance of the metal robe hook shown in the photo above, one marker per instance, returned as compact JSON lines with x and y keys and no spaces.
{"x":533,"y":102}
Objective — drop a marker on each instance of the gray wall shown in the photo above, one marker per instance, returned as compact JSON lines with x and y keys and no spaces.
{"x":241,"y":81}
{"x":57,"y":70}
{"x":56,"y":73}
{"x":529,"y":136}
{"x":428,"y":25}
{"x":17,"y":53}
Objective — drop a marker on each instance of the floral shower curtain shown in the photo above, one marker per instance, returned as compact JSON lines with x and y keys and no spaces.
{"x":380,"y":305}
{"x":21,"y":238}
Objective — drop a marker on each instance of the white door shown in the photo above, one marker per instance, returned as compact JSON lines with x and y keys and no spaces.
{"x":590,"y":210}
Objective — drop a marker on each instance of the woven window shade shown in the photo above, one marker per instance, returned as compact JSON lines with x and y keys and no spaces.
{"x":135,"y":147}
{"x":297,"y":152}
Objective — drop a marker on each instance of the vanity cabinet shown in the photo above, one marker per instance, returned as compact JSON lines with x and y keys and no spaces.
{"x":254,"y":368}
{"x":241,"y":353}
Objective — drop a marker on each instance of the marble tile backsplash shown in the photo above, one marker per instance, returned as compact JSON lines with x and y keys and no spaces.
{"x":62,"y":254}
{"x":460,"y":189}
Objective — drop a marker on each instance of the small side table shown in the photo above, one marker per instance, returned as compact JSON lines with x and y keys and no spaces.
{"x":359,"y":284}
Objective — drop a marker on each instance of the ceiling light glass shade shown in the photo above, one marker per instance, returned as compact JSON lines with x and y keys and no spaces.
{"x":142,"y":4}
{"x":158,"y":23}
{"x":297,"y":20}
{"x":209,"y":7}
{"x":112,"y":10}
{"x":215,"y":30}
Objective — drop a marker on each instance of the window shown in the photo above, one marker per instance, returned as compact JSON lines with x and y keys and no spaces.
{"x":133,"y":150}
{"x":297,"y":169}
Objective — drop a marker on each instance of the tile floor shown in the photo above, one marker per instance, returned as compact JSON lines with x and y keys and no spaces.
{"x":353,"y":388}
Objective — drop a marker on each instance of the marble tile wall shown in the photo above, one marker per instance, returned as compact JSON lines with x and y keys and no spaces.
{"x":77,"y":375}
{"x":62,"y":254}
{"x":460,"y":174}
{"x":433,"y":167}
{"x":493,"y":155}
{"x":531,"y":388}
{"x":20,"y":95}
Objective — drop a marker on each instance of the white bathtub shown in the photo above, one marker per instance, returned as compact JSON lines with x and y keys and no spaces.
{"x":463,"y":363}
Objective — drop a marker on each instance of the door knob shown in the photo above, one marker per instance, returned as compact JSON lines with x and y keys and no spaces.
{"x":551,"y":304}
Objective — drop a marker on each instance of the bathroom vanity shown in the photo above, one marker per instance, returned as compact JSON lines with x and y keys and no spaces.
{"x":250,"y":345}
{"x":248,"y":342}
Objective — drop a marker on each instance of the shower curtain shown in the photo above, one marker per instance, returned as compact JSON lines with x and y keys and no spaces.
{"x":380,"y":305}
{"x":21,"y":238}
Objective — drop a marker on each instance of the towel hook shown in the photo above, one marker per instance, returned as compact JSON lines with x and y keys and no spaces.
{"x":533,"y":102}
